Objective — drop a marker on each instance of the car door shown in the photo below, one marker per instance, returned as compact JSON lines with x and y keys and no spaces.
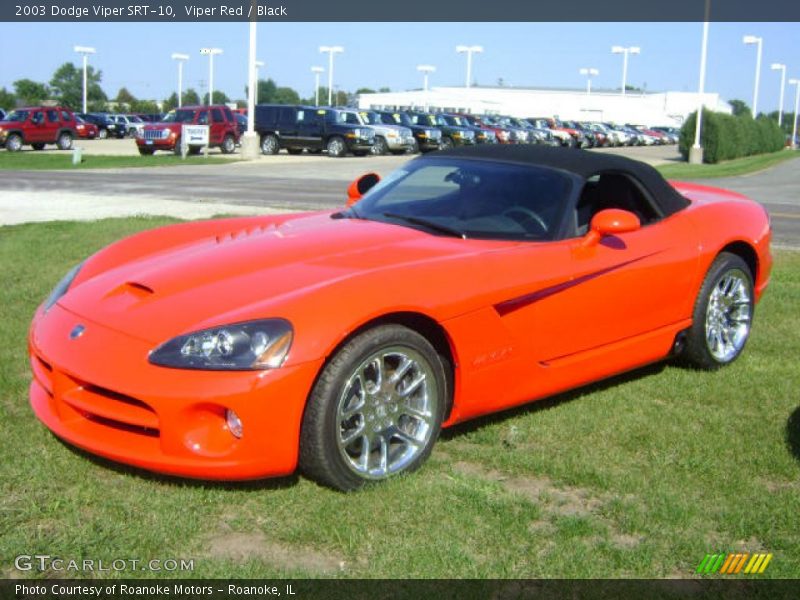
{"x":218,"y":126}
{"x":309,"y":127}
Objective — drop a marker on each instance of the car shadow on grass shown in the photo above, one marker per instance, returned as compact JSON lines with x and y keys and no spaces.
{"x":252,"y":485}
{"x":553,"y":401}
{"x":793,"y":433}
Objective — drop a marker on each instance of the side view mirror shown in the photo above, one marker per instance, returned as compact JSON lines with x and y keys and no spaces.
{"x":361,"y":186}
{"x":611,"y":221}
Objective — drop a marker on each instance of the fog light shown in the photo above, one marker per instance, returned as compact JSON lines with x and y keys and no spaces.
{"x":234,"y":423}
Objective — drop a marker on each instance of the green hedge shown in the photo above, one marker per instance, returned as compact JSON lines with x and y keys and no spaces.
{"x":724,"y":137}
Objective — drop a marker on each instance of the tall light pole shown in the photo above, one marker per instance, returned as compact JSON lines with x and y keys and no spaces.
{"x":258,"y":64}
{"x":211,"y":52}
{"x":751,"y":39}
{"x":796,"y":84}
{"x":181,"y":58}
{"x":589,"y":72}
{"x":425,"y":70}
{"x":625,"y":52}
{"x":782,"y":69}
{"x":85,"y":51}
{"x":316,"y":71}
{"x":469,"y":51}
{"x":696,"y":151}
{"x":331,"y":50}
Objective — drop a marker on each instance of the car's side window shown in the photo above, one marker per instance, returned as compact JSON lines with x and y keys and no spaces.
{"x":37,"y":117}
{"x":611,"y":189}
{"x":52,"y":116}
{"x":216,"y":115}
{"x":202,"y":117}
{"x":65,"y":116}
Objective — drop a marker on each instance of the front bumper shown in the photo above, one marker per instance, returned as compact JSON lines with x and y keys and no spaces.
{"x":100,"y":393}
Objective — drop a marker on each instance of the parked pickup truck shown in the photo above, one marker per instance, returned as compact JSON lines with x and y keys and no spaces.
{"x":297,"y":128}
{"x":223,"y":131}
{"x":38,"y":126}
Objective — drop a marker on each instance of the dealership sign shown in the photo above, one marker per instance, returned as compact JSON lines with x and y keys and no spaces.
{"x":195,"y":135}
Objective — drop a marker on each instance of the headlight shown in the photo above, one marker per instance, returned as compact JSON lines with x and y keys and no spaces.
{"x":237,"y":347}
{"x":139,"y":133}
{"x":61,"y":287}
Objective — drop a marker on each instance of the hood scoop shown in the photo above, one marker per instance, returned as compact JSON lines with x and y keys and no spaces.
{"x":135,"y":289}
{"x":240,"y":234}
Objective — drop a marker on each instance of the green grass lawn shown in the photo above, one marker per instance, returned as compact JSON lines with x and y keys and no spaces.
{"x":640,"y":476}
{"x":728,"y":168}
{"x":41,"y":161}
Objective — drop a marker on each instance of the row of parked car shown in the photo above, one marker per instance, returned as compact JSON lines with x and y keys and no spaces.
{"x":335,"y":130}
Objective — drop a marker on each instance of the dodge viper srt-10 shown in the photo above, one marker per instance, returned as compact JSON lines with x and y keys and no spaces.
{"x":341,"y":342}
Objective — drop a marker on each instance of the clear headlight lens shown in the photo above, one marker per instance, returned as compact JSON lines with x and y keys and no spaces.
{"x":261,"y":344}
{"x":61,"y":287}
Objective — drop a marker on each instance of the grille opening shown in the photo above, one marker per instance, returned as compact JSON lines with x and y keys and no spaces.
{"x":127,"y":427}
{"x":112,"y":395}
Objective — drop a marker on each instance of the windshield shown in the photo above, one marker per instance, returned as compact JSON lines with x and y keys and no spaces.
{"x":179,"y":116}
{"x":471,"y":198}
{"x":17,"y":115}
{"x":135,"y":119}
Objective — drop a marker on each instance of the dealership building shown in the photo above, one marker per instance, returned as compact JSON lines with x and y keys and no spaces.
{"x":641,"y":108}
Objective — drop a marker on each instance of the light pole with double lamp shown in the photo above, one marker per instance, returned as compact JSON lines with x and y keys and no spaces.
{"x":759,"y":42}
{"x":425,"y":70}
{"x":211,"y":53}
{"x":469,"y":51}
{"x":85,"y":51}
{"x":331,"y":50}
{"x":782,"y":69}
{"x":625,"y":52}
{"x":796,"y":84}
{"x":181,"y":58}
{"x":589,"y":72}
{"x":316,"y":71}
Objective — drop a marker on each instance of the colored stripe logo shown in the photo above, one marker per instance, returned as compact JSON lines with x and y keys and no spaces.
{"x":734,"y":563}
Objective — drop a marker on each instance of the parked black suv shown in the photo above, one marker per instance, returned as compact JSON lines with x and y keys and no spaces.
{"x":451,"y":136}
{"x":297,"y":127}
{"x":426,"y":138}
{"x":106,"y":127}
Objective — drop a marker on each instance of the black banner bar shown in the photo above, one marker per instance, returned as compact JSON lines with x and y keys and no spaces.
{"x":332,"y":589}
{"x":407,"y":10}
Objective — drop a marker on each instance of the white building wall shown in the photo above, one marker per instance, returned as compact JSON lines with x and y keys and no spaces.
{"x":664,"y":108}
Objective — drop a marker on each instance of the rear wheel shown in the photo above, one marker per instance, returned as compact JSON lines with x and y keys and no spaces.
{"x":336,"y":147}
{"x":446,"y":143}
{"x":723,"y":313}
{"x":376,"y":409}
{"x":14,"y":143}
{"x":270,"y":144}
{"x":228,"y":145}
{"x":64,"y":141}
{"x":102,"y":134}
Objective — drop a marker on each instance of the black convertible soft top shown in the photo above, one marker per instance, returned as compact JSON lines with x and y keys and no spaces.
{"x":580,"y":162}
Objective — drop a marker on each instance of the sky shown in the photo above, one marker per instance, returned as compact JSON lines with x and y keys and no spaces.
{"x":137,"y":55}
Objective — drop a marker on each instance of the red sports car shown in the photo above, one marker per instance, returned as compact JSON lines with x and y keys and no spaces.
{"x":468,"y":281}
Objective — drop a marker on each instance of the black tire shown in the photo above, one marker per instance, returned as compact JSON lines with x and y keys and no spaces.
{"x":270,"y":144}
{"x":146,"y":151}
{"x":102,"y":133}
{"x":294,"y":151}
{"x":728,"y":273}
{"x":336,"y":147}
{"x":64,"y":141}
{"x":446,"y":143}
{"x":228,"y":144}
{"x":326,"y":459}
{"x":380,"y":147}
{"x":14,"y":142}
{"x":38,"y":146}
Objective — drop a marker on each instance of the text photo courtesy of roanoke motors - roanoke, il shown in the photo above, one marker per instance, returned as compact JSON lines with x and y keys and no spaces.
{"x":453,"y":299}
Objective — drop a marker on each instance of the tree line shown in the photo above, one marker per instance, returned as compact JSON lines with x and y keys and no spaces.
{"x":66,"y":88}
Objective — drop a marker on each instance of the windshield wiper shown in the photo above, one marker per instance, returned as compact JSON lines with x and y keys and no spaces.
{"x":426,"y":223}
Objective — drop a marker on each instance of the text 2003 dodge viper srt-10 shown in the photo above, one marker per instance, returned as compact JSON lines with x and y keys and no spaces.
{"x":341,"y":342}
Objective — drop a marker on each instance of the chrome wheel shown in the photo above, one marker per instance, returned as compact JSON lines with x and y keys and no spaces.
{"x":386,"y":413}
{"x":14,"y":143}
{"x":270,"y":145}
{"x":336,"y":147}
{"x":728,"y":316}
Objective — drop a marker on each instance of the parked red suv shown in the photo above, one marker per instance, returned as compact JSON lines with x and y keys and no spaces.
{"x":38,"y":126}
{"x":166,"y":135}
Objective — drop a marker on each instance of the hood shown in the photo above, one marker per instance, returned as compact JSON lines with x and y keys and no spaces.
{"x":156,"y":126}
{"x":250,"y":273}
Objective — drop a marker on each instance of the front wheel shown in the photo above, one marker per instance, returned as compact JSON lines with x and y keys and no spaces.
{"x":270,"y":144}
{"x":102,"y":134}
{"x":228,"y":145}
{"x":336,"y":147}
{"x":64,"y":141}
{"x":376,"y":409}
{"x":14,"y":143}
{"x":446,"y":143}
{"x":380,"y":147}
{"x":723,"y":313}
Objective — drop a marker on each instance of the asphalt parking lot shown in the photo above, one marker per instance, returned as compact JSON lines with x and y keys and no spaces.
{"x":285,"y":183}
